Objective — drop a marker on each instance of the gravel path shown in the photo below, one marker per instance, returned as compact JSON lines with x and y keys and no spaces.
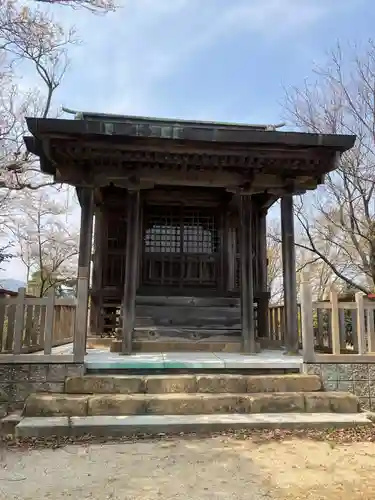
{"x":196,"y":469}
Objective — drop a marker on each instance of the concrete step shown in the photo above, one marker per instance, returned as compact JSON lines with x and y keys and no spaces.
{"x":163,"y":384}
{"x":70,"y":405}
{"x":154,"y":425}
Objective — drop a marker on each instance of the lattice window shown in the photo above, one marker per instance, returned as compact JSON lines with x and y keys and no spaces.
{"x":163,"y":238}
{"x":200,"y":234}
{"x":181,"y":246}
{"x":189,"y":232}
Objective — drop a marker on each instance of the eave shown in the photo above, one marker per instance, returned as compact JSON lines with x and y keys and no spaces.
{"x":99,"y":151}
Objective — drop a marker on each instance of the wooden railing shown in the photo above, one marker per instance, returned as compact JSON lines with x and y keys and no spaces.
{"x":335,"y":327}
{"x":328,"y":318}
{"x":276,"y":321}
{"x":29,"y":325}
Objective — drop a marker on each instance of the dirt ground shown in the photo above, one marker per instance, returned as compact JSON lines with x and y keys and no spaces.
{"x":213,"y":468}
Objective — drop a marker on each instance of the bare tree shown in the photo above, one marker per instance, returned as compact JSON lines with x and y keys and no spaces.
{"x":274,"y":262}
{"x":96,"y":6}
{"x":43,"y":239}
{"x":30,"y":35}
{"x":32,"y":38}
{"x":341,"y":216}
{"x":322,"y":276}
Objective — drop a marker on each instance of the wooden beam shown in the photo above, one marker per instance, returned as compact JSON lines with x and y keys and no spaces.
{"x":143,"y":177}
{"x":247,"y":293}
{"x":84,"y":261}
{"x":289,"y":275}
{"x":131,"y":270}
{"x":157,"y":149}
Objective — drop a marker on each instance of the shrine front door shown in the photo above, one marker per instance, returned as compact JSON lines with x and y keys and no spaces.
{"x":180,"y":248}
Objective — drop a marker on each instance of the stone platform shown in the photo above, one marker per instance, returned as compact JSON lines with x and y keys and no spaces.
{"x":102,"y":359}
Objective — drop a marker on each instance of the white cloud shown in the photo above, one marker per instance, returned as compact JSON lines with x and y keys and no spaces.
{"x":125,"y":53}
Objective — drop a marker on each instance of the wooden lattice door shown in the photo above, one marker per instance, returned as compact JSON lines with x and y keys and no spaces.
{"x":180,"y":247}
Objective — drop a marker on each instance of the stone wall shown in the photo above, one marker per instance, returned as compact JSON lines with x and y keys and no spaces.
{"x":357,"y":378}
{"x":19,"y":380}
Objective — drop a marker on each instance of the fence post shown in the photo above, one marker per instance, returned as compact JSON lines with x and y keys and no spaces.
{"x":370,"y":329}
{"x":335,"y":321}
{"x":360,"y":323}
{"x":83,"y":277}
{"x":307,"y":325}
{"x":19,"y":321}
{"x":50,"y":315}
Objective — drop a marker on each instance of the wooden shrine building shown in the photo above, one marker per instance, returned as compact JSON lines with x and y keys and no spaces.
{"x":180,"y":220}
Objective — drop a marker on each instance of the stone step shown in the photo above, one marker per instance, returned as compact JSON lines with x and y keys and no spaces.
{"x":71,"y":405}
{"x":9,"y":423}
{"x":162,"y":384}
{"x":154,"y":425}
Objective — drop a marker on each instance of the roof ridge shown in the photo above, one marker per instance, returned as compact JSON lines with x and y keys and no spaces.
{"x":84,"y":115}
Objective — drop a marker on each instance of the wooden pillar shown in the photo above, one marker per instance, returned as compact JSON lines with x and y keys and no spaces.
{"x":246,"y":259}
{"x":232,"y":256}
{"x":307,"y":322}
{"x":263,"y":301}
{"x":131,"y":270}
{"x":94,"y":316}
{"x":97,"y":275}
{"x":83,"y":281}
{"x":289,"y":275}
{"x":224,"y":262}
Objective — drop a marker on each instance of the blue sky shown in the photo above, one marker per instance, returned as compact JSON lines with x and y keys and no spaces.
{"x":227,"y":60}
{"x":210,"y":59}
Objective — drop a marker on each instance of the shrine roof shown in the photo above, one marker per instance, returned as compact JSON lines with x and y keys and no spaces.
{"x":96,"y":125}
{"x":83,"y":115}
{"x":101,"y":149}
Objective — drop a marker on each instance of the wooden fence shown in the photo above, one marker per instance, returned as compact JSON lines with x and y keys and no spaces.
{"x":336,"y":327}
{"x":29,"y":325}
{"x":276,"y":321}
{"x":351,"y":322}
